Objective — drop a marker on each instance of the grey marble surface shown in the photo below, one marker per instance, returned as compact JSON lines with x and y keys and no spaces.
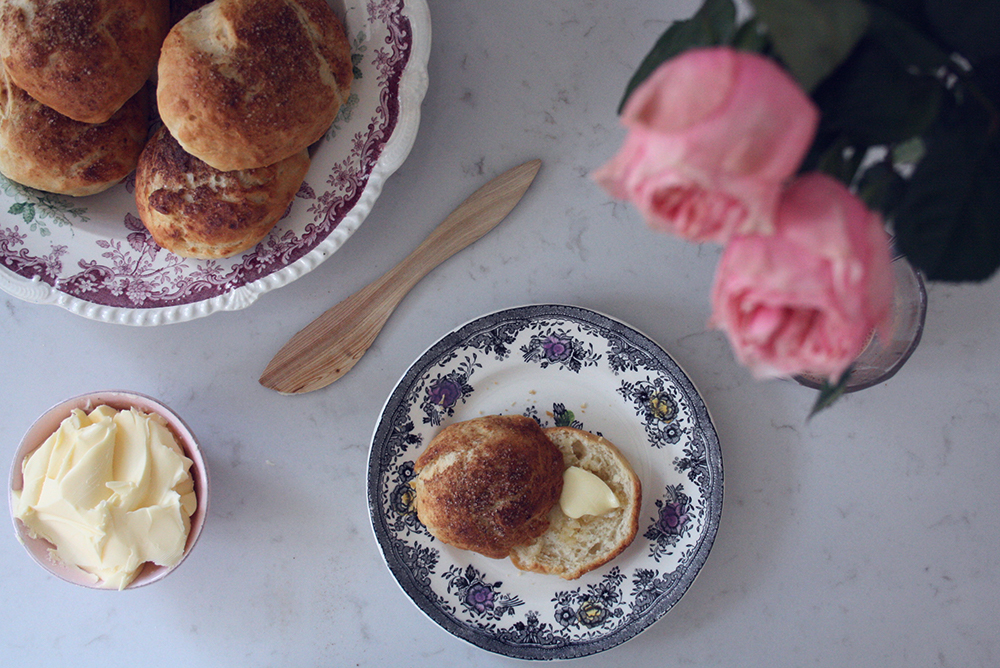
{"x":866,"y":536}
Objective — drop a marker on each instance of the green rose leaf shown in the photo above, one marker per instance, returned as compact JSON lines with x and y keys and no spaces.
{"x":829,"y":393}
{"x":812,"y":37}
{"x":874,"y":99}
{"x":909,"y":152}
{"x":712,"y":25}
{"x":946,"y":223}
{"x":751,"y":36}
{"x":881,"y":188}
{"x":909,"y":43}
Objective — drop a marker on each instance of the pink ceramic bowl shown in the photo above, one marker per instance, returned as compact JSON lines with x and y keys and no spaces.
{"x":47,"y":424}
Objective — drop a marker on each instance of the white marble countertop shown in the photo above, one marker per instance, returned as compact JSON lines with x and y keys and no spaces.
{"x":867,"y":536}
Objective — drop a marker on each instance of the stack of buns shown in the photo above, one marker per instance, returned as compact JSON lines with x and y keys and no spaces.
{"x":495,"y":485}
{"x":243,"y":88}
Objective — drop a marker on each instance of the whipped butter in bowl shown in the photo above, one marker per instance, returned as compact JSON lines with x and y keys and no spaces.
{"x":109,"y":490}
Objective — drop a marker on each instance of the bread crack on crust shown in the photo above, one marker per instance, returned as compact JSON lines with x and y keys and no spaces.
{"x":488,"y":484}
{"x":194,"y":210}
{"x":83,"y":58}
{"x":41,"y":148}
{"x":246,"y":83}
{"x":325,"y":59}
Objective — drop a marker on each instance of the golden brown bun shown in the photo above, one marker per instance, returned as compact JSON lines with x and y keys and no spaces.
{"x":246,"y":83}
{"x":194,"y":210}
{"x":574,"y":546}
{"x":488,"y":484}
{"x":43,"y":149}
{"x":83,"y":58}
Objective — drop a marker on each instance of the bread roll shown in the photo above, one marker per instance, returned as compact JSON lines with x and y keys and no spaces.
{"x":43,"y":149}
{"x":83,"y":58}
{"x":571,"y":547}
{"x":246,"y":83}
{"x":488,"y":484}
{"x":196,"y":211}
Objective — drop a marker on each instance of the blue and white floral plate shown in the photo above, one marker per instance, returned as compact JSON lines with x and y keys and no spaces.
{"x":561,"y":365}
{"x":93,"y":256}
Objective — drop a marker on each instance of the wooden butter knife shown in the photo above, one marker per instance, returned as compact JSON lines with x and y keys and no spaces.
{"x":332,"y":344}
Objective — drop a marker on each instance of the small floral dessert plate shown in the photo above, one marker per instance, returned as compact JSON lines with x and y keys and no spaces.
{"x":562,"y":365}
{"x":94,"y":257}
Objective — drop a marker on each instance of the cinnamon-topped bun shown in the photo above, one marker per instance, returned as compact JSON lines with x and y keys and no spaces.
{"x":41,"y":148}
{"x":246,"y":83}
{"x":489,"y":483}
{"x":83,"y":58}
{"x":194,"y":210}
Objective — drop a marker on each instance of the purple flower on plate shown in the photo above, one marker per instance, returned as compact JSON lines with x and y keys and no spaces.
{"x":673,"y":517}
{"x":557,"y":349}
{"x":479,"y":597}
{"x":445,"y":392}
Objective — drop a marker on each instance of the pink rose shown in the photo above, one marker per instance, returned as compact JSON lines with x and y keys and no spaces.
{"x":807,"y":297}
{"x":713,"y":135}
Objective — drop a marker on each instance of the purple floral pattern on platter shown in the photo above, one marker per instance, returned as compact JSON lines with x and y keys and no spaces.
{"x":95,"y":249}
{"x":673,"y":521}
{"x":483,"y":599}
{"x":559,"y":348}
{"x":556,"y":349}
{"x":445,"y":392}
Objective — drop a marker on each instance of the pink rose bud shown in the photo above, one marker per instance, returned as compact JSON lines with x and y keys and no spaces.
{"x":807,"y":297}
{"x":713,"y":135}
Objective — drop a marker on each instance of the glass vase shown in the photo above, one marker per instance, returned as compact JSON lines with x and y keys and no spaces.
{"x":881,"y":359}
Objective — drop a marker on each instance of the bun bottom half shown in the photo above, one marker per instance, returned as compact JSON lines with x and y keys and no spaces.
{"x":570,"y":546}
